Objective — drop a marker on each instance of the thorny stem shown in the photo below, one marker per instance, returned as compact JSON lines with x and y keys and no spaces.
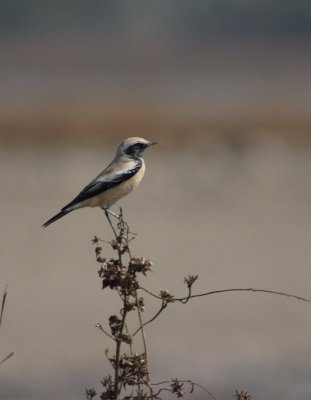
{"x":119,"y":339}
{"x":130,"y":344}
{"x":139,"y":316}
{"x":141,"y":327}
{"x":163,"y":306}
{"x":118,"y":352}
{"x":139,"y":313}
{"x":126,"y":240}
{"x":119,"y":239}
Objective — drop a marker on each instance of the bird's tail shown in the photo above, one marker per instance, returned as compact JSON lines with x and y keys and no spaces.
{"x":61,"y":214}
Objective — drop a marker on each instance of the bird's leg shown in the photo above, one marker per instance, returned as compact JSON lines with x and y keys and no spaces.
{"x":108,"y":211}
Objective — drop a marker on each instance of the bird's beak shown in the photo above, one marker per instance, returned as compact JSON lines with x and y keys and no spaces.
{"x":152,"y":143}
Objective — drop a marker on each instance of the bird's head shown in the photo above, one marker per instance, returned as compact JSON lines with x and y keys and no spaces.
{"x":134,"y":146}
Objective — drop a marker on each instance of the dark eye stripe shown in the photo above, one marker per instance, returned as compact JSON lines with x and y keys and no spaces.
{"x":139,"y":145}
{"x":134,"y":148}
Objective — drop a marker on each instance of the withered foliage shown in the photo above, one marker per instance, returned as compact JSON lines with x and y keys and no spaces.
{"x":241,"y":395}
{"x":120,"y":273}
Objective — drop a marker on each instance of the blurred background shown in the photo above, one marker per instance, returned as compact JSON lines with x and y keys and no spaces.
{"x":226,"y":87}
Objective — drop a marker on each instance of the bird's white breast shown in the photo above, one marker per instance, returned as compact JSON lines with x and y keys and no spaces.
{"x":111,"y":196}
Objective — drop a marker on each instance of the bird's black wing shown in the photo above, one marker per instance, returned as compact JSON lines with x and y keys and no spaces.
{"x":102,"y":183}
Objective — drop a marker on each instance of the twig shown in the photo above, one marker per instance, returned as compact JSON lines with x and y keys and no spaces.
{"x":293,"y":296}
{"x":4,"y":296}
{"x":185,"y":301}
{"x":182,"y":299}
{"x":149,"y":292}
{"x":7,"y":357}
{"x":123,"y":313}
{"x":5,"y":293}
{"x":155,"y":395}
{"x":190,"y":383}
{"x":100,"y":327}
{"x":163,"y":306}
{"x":118,"y":352}
{"x":141,"y":327}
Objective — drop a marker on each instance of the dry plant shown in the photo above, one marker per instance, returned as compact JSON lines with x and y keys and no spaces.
{"x":4,"y":296}
{"x":131,"y":378}
{"x":242,"y":395}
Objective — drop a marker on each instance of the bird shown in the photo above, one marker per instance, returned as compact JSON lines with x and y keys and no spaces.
{"x":117,"y":180}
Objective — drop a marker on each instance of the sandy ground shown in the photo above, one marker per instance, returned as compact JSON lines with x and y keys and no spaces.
{"x":238,"y":217}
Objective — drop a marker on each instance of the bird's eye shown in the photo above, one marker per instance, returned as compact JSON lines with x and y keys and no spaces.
{"x":135,"y":149}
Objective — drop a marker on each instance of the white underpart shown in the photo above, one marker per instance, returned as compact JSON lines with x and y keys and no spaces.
{"x":111,"y":196}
